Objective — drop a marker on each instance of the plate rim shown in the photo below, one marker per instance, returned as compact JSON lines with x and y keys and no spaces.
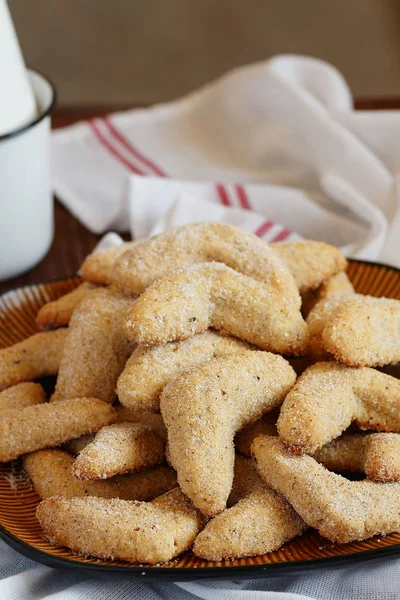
{"x":149,"y":573}
{"x":146,"y":573}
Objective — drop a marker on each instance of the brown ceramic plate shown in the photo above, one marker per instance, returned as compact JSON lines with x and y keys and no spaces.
{"x":20,"y":529}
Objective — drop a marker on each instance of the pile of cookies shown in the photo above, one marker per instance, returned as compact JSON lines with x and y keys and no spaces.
{"x":178,"y":418}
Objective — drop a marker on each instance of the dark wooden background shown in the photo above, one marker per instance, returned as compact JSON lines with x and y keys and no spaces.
{"x":72,"y":241}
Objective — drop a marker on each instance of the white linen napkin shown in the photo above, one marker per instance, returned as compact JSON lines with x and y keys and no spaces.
{"x":279,"y":141}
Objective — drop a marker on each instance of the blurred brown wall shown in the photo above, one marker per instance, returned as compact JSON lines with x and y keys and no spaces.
{"x":121,"y":52}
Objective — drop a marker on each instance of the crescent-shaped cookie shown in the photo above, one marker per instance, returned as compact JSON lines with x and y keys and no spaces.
{"x":97,"y":265}
{"x":197,"y":243}
{"x":51,"y":474}
{"x":151,"y":420}
{"x":328,"y":397}
{"x":119,"y":448}
{"x":191,"y":300}
{"x":338,"y":285}
{"x":150,"y":532}
{"x":364,"y":331}
{"x":316,"y":320}
{"x":48,"y":425}
{"x":58,"y":313}
{"x":341,"y":510}
{"x":148,"y":370}
{"x":260,"y":520}
{"x":375,"y":454}
{"x":34,"y":357}
{"x":310,"y":263}
{"x":95,"y":350}
{"x":204,"y":407}
{"x":21,"y":395}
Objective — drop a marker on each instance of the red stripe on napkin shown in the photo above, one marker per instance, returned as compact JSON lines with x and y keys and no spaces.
{"x":282,"y":235}
{"x":223,"y":194}
{"x":111,"y":148}
{"x":243,"y":198}
{"x":129,"y":146}
{"x":266,"y":226}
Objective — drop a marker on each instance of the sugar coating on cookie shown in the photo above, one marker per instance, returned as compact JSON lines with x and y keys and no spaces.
{"x":150,"y":532}
{"x":34,"y":357}
{"x":119,"y":448}
{"x":364,"y":331}
{"x":259,"y":521}
{"x":22,"y":395}
{"x":328,"y":397}
{"x":205,"y":406}
{"x":191,"y":300}
{"x":96,"y":349}
{"x":51,"y":474}
{"x":375,"y":454}
{"x":49,"y":425}
{"x":341,"y":510}
{"x":198,"y":243}
{"x":148,"y":370}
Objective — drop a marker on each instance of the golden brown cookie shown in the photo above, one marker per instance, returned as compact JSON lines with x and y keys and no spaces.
{"x":118,"y":449}
{"x":191,"y":300}
{"x":49,"y":425}
{"x":148,"y":370}
{"x":58,"y":313}
{"x":145,"y":417}
{"x":51,"y":474}
{"x":375,"y":454}
{"x":142,"y":265}
{"x":152,"y":420}
{"x":34,"y":357}
{"x":341,"y":510}
{"x":96,"y":266}
{"x":22,"y":395}
{"x":96,"y":349}
{"x":364,"y":331}
{"x":328,"y":397}
{"x":311,"y":263}
{"x":205,"y":406}
{"x":260,"y":520}
{"x":151,"y":532}
{"x":317,"y":319}
{"x":338,"y":285}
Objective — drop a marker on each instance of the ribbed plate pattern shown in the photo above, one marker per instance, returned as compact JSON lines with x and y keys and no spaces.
{"x":18,"y":501}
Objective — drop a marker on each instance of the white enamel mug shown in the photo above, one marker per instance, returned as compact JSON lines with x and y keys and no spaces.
{"x":26,"y":202}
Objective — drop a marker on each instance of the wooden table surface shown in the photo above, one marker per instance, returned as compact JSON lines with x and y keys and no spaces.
{"x":72,"y":241}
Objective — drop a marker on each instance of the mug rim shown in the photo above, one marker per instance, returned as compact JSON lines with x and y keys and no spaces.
{"x":41,"y":116}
